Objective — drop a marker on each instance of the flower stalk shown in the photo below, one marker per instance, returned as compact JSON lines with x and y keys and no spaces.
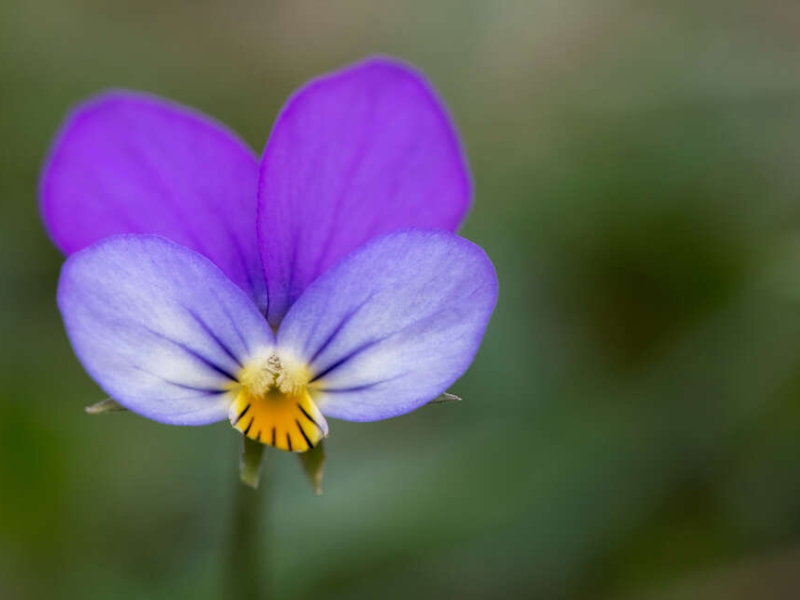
{"x":247,"y":562}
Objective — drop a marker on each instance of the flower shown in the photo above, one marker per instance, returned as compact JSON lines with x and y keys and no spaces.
{"x":347,"y":296}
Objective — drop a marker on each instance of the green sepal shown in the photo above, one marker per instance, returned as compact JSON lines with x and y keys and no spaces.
{"x":105,"y":406}
{"x":312,"y":462}
{"x":445,"y":398}
{"x":250,"y":462}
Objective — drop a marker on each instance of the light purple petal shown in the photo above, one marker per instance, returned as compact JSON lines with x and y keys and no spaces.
{"x":393,"y":325}
{"x":159,"y":327}
{"x":354,"y":154}
{"x":126,"y":162}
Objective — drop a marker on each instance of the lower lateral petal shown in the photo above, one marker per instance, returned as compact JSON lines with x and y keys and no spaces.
{"x":159,"y":327}
{"x":393,"y":325}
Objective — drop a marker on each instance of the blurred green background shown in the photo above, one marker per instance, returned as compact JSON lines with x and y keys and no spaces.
{"x":631,"y":426}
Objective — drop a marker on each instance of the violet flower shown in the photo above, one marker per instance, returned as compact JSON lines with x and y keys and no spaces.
{"x":322,"y":282}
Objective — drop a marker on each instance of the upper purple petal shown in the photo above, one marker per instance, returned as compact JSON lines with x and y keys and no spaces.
{"x":159,"y":327}
{"x":393,"y":325}
{"x":354,"y":154}
{"x":127,"y":162}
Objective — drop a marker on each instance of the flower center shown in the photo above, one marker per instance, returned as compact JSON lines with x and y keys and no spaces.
{"x":273,"y":406}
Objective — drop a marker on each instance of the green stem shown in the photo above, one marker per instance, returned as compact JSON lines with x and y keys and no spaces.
{"x":248,"y":562}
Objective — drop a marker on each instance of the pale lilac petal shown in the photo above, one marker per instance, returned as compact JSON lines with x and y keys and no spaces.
{"x":159,"y":327}
{"x":393,"y":325}
{"x":126,"y":162}
{"x":354,"y":154}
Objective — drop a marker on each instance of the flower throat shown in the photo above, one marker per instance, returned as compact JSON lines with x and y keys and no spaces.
{"x":273,"y":406}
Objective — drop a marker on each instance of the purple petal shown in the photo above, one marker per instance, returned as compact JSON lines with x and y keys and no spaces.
{"x":393,"y":325}
{"x":130,"y":163}
{"x":354,"y":154}
{"x":159,"y":327}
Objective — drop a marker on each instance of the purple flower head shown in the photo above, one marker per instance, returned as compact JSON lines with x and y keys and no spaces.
{"x":322,"y":282}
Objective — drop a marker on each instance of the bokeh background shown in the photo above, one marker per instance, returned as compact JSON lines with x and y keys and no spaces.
{"x":631,"y":426}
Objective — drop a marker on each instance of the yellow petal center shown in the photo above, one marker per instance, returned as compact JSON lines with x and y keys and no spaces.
{"x":273,"y":406}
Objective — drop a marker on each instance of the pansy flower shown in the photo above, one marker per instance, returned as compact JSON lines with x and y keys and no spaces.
{"x":322,"y":281}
